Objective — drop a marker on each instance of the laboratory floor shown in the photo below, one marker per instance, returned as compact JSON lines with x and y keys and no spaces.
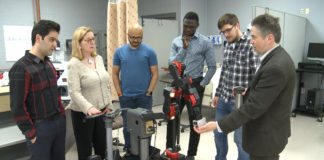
{"x":306,"y":142}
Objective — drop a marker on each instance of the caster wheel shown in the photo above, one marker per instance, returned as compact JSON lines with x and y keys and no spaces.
{"x":293,"y":114}
{"x":320,"y":119}
{"x":159,"y":124}
{"x":182,"y":130}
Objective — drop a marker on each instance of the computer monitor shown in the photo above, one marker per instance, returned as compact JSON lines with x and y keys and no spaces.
{"x":316,"y":51}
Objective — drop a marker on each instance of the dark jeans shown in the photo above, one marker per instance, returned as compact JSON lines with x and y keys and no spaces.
{"x":50,"y":140}
{"x":88,"y":134}
{"x":194,"y":137}
{"x":274,"y":157}
{"x":139,"y":101}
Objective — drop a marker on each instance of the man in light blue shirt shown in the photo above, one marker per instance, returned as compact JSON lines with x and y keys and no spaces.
{"x":193,"y":49}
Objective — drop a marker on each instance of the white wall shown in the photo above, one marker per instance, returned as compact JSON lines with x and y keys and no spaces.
{"x":243,"y":9}
{"x":153,"y":7}
{"x":200,"y":7}
{"x":70,"y":14}
{"x":180,"y":7}
{"x":11,"y":13}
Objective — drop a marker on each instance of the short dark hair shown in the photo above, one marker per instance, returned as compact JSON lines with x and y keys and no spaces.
{"x":192,"y":15}
{"x":43,"y":27}
{"x":268,"y":24}
{"x":227,"y":18}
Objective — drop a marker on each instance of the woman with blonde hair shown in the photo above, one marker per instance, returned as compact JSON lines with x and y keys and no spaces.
{"x":88,"y":85}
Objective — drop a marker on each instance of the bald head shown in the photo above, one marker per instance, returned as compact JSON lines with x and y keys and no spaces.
{"x":135,"y":34}
{"x":135,"y":29}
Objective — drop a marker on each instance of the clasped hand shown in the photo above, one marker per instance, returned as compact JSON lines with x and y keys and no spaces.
{"x":93,"y":110}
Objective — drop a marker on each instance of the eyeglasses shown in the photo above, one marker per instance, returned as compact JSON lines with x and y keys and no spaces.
{"x":90,"y":40}
{"x":135,"y":38}
{"x":226,"y":30}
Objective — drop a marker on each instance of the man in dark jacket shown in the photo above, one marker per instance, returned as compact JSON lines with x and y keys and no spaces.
{"x":265,"y":113}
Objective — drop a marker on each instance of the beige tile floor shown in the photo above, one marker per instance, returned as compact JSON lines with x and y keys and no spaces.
{"x":306,"y":142}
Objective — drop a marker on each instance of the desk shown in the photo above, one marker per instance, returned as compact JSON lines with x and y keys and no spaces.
{"x":10,"y":133}
{"x":4,"y":99}
{"x":305,"y":108}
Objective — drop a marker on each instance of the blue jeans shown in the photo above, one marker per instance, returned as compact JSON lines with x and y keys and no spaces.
{"x":221,"y":142}
{"x":139,"y":101}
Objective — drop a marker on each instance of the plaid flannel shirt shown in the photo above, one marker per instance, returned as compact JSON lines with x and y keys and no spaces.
{"x":239,"y":66}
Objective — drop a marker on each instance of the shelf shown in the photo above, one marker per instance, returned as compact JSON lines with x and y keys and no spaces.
{"x":10,"y":135}
{"x":317,"y":111}
{"x":310,"y":70}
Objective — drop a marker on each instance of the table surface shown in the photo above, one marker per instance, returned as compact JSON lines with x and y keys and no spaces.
{"x":4,"y":99}
{"x":4,"y":90}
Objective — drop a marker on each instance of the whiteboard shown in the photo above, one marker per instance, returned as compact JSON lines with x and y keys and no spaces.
{"x":17,"y":39}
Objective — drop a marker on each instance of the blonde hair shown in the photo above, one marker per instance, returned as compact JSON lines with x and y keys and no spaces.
{"x":78,"y":36}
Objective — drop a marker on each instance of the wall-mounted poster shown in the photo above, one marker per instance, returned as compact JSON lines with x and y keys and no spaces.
{"x":17,"y":39}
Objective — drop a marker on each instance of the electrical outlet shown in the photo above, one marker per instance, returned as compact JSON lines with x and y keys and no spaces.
{"x":307,"y":11}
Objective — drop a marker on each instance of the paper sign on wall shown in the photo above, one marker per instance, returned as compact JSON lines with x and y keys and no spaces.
{"x":17,"y":39}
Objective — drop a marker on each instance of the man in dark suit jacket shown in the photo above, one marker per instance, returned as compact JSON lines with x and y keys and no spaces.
{"x":265,"y":113}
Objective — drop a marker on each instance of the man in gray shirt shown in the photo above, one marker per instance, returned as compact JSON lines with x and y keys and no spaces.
{"x":193,"y":49}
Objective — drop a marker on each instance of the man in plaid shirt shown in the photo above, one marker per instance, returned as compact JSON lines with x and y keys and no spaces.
{"x":239,"y":66}
{"x":34,"y":98}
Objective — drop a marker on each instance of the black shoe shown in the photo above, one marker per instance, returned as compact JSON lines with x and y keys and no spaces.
{"x":94,"y":157}
{"x":190,"y":158}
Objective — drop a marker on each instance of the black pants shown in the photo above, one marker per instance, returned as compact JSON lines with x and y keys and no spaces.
{"x":50,"y":140}
{"x":88,"y":134}
{"x":194,"y":137}
{"x":273,"y":157}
